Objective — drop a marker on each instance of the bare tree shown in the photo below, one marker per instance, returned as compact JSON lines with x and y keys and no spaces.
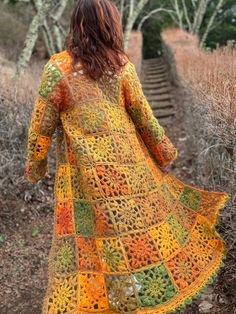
{"x":47,"y":17}
{"x":135,"y":8}
{"x":182,"y":13}
{"x":54,"y":35}
{"x":193,"y":22}
{"x":32,"y":36}
{"x":179,"y":12}
{"x":122,"y":6}
{"x":211,"y":21}
{"x":47,"y":34}
{"x":59,"y":32}
{"x":186,"y":14}
{"x":151,"y":13}
{"x":198,"y":18}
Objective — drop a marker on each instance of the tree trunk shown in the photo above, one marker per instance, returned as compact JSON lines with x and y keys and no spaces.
{"x":187,"y":15}
{"x":58,"y":36}
{"x":47,"y":35}
{"x":199,"y":16}
{"x":179,"y":14}
{"x":48,"y":39}
{"x":32,"y":36}
{"x":128,"y":30}
{"x":133,"y":14}
{"x":211,"y":21}
{"x":122,"y":5}
{"x":56,"y":16}
{"x":151,"y":13}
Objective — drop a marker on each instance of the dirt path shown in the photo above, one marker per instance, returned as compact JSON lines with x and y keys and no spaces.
{"x":25,"y":240}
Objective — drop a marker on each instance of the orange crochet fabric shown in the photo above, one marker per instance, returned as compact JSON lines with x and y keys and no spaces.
{"x":127,"y":237}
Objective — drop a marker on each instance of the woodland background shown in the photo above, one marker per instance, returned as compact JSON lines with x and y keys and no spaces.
{"x":196,"y":39}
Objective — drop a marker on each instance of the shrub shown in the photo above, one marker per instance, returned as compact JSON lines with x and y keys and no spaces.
{"x":208,"y":78}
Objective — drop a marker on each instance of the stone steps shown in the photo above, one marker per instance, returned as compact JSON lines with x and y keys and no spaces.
{"x":153,"y":85}
{"x":154,"y":77}
{"x":157,"y":89}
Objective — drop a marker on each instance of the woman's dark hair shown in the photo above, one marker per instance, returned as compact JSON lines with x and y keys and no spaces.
{"x":96,"y":37}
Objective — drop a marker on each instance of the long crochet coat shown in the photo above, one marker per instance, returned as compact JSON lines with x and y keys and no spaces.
{"x":127,"y":237}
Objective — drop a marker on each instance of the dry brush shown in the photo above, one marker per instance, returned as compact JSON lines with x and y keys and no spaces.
{"x":207,"y":82}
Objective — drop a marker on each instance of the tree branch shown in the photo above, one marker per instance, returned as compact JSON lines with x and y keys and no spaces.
{"x":122,"y":4}
{"x":146,"y":17}
{"x":179,"y":13}
{"x":199,"y":16}
{"x":211,"y":21}
{"x":133,"y":14}
{"x":186,"y":15}
{"x":32,"y":36}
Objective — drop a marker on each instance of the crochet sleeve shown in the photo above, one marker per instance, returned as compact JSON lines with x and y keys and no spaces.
{"x":44,"y":120}
{"x":152,"y":133}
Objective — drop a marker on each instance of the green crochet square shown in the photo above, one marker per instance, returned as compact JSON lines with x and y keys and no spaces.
{"x":190,"y":198}
{"x":156,"y":130}
{"x":51,"y":75}
{"x":140,"y":112}
{"x":83,"y":218}
{"x":64,"y":260}
{"x":50,"y":118}
{"x":137,"y":116}
{"x":179,"y":231}
{"x":169,"y":197}
{"x":154,"y":286}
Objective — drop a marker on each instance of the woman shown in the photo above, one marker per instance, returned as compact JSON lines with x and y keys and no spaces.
{"x":128,"y":236}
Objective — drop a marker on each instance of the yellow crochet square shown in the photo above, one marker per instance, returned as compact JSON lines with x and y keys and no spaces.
{"x":165,"y":240}
{"x":112,"y":255}
{"x":92,"y":293}
{"x":42,"y":147}
{"x":63,"y":182}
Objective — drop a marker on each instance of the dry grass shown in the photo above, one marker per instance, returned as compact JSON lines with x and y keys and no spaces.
{"x":207,"y":80}
{"x":212,"y":73}
{"x":26,"y":209}
{"x":17,"y":97}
